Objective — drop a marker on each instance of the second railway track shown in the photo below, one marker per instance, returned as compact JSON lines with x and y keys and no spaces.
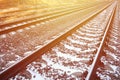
{"x":39,"y":18}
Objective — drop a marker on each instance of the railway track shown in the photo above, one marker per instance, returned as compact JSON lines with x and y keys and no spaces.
{"x":110,"y":58}
{"x":34,"y":17}
{"x":96,"y":63}
{"x":52,"y":14}
{"x":71,"y":57}
{"x":30,"y":12}
{"x":23,"y":41}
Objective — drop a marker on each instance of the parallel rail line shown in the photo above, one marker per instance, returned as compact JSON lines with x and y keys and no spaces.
{"x":42,"y":18}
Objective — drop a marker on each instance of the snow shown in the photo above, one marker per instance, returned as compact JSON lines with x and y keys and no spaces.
{"x":13,"y":33}
{"x":27,"y":28}
{"x":72,"y":47}
{"x":114,"y":67}
{"x":36,"y":76}
{"x":60,"y":66}
{"x":86,"y":38}
{"x":42,"y":22}
{"x":32,"y":26}
{"x":104,"y":77}
{"x":69,"y":56}
{"x":3,"y":36}
{"x":38,"y":24}
{"x":20,"y":30}
{"x":77,"y":41}
{"x":112,"y":55}
{"x":114,"y":47}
